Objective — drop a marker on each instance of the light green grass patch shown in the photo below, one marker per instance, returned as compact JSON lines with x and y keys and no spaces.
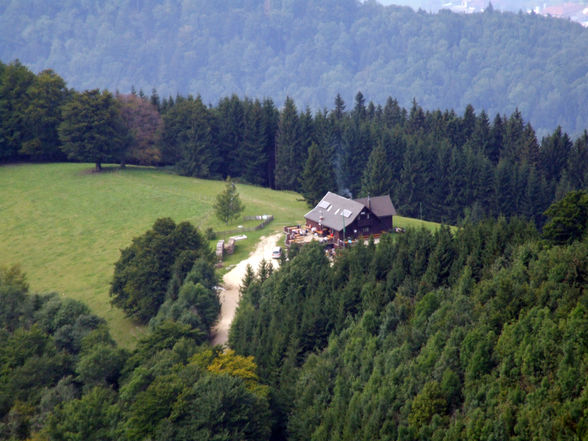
{"x":64,"y":225}
{"x":407,"y":222}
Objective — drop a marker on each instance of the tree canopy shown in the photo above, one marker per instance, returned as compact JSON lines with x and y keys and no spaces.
{"x":568,"y":218}
{"x":447,"y":166}
{"x":92,"y":128}
{"x":63,"y":378}
{"x":162,"y":255}
{"x":465,"y":335}
{"x":311,"y":51}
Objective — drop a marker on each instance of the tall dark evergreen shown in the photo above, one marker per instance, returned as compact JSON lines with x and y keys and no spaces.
{"x":317,"y":177}
{"x":577,"y":167}
{"x":394,"y":115}
{"x":43,"y":115}
{"x":271,"y":118}
{"x":357,"y":145}
{"x":339,"y":110}
{"x":504,"y":188}
{"x":230,"y":115}
{"x":496,"y":141}
{"x":514,"y":137}
{"x":253,"y":159}
{"x":288,"y":144}
{"x":377,"y":176}
{"x":14,"y":101}
{"x":554,"y":153}
{"x":480,"y":137}
{"x":187,"y":138}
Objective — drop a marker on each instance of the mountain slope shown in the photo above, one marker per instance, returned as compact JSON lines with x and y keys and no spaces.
{"x":310,"y":51}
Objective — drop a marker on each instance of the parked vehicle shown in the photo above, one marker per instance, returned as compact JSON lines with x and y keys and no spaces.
{"x":277,"y":252}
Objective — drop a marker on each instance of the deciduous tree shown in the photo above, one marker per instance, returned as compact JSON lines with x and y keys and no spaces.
{"x":144,"y":270}
{"x":145,"y":125}
{"x":92,"y":128}
{"x":568,"y":218}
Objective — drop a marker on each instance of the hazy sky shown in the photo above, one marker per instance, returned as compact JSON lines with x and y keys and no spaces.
{"x":508,"y":5}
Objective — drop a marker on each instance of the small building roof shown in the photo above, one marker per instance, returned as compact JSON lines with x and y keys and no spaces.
{"x":381,"y":206}
{"x":333,"y":211}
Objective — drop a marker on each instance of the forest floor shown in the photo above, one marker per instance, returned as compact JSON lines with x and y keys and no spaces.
{"x":230,"y":294}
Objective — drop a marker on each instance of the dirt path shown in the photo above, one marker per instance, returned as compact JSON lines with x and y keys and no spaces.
{"x":232,"y":280}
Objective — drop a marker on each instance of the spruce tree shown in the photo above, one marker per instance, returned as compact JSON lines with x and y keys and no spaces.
{"x":318,"y":176}
{"x":495,"y":144}
{"x":288,"y":165}
{"x":555,"y":150}
{"x":228,"y":205}
{"x":377,"y":176}
{"x":253,"y":155}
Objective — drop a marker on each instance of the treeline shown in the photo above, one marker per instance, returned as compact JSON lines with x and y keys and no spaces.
{"x":477,"y":334}
{"x":439,"y":164}
{"x":311,"y":50}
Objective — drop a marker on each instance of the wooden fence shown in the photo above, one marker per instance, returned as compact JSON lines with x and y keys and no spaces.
{"x":266,"y":220}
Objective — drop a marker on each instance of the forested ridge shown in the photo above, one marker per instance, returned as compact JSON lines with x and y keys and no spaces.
{"x":310,"y":51}
{"x":481,"y":334}
{"x":441,"y":165}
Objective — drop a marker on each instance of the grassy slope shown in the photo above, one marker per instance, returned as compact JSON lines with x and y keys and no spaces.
{"x":408,"y":222}
{"x":65,"y":225}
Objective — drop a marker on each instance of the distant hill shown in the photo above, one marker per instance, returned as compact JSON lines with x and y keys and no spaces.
{"x":310,"y":50}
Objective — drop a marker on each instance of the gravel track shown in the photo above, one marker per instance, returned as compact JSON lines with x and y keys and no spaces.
{"x":230,"y":296}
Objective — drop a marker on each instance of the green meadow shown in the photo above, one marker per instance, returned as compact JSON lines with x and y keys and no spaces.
{"x":65,"y":225}
{"x":408,"y":222}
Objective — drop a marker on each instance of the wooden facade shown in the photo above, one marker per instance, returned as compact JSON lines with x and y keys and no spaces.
{"x":343,"y":219}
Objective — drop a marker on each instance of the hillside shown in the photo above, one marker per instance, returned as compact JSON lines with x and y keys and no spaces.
{"x":310,"y":51}
{"x":436,"y":336}
{"x":65,"y":225}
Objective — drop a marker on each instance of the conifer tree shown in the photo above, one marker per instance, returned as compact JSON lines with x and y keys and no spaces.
{"x":318,"y":176}
{"x":271,"y":118}
{"x":43,"y":115}
{"x":228,"y":205}
{"x":14,"y":82}
{"x":253,"y":153}
{"x":555,"y":150}
{"x":577,"y":167}
{"x":494,"y":146}
{"x":288,"y":165}
{"x":377,"y":176}
{"x":339,"y":111}
{"x":187,"y":138}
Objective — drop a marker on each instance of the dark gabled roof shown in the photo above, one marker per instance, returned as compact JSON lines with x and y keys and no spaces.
{"x":381,"y":206}
{"x":334,"y":210}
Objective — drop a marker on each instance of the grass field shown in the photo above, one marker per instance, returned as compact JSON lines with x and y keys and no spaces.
{"x":64,"y":225}
{"x":408,"y":222}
